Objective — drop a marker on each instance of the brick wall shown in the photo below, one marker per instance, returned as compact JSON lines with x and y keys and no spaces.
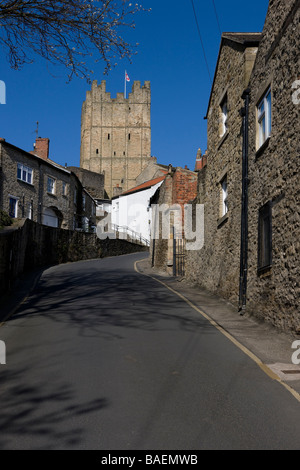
{"x":178,"y":188}
{"x":41,"y":148}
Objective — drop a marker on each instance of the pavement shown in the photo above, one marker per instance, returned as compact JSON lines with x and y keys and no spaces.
{"x":269,"y":347}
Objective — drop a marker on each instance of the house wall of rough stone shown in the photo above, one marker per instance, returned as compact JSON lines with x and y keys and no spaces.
{"x":34,"y":198}
{"x":216,"y":266}
{"x":274,"y":171}
{"x":91,"y":181}
{"x":33,"y":195}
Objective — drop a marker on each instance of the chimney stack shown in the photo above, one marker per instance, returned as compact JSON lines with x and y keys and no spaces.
{"x":41,"y":147}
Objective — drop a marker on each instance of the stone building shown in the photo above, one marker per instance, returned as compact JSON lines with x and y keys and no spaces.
{"x":33,"y":186}
{"x":91,"y":181}
{"x":178,"y":188}
{"x":116,"y":134}
{"x":273,"y":281}
{"x":151,"y":171}
{"x":216,"y":266}
{"x":249,"y":184}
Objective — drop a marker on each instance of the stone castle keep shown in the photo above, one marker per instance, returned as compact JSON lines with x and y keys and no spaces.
{"x":116,"y":134}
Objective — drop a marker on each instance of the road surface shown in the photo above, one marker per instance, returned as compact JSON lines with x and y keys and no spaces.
{"x":102,"y":357}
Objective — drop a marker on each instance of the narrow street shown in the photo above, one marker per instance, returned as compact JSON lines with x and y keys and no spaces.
{"x":102,"y":357}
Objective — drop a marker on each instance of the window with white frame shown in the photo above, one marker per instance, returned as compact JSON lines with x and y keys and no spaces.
{"x":83,"y":202}
{"x":24,"y":173}
{"x":224,"y":117}
{"x":264,"y":118}
{"x":29,"y":210}
{"x":224,"y":197}
{"x":64,"y":188}
{"x":50,"y":185}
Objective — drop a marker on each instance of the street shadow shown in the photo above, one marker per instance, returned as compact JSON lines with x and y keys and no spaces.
{"x":94,"y":299}
{"x":41,"y":416}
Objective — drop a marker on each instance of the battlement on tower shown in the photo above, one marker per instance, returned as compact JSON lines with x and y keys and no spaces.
{"x":138,"y":93}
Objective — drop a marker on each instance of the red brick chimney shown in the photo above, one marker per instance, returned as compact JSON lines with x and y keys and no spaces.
{"x":41,"y":147}
{"x":201,"y":160}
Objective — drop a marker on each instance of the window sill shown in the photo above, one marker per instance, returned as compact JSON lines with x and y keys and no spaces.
{"x":51,"y":194}
{"x":25,"y":182}
{"x":222,"y":221}
{"x":262,"y":148}
{"x":223,"y":138}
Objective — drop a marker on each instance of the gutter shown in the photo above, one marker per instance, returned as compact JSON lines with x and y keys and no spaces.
{"x":244,"y":213}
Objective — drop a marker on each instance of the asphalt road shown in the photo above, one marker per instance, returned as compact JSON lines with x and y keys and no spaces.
{"x":101,"y":357}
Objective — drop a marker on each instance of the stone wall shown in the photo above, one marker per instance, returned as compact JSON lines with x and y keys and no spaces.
{"x":216,"y":266}
{"x":116,"y":134}
{"x":274,"y":293}
{"x":91,"y":181}
{"x":35,"y":246}
{"x":151,"y":171}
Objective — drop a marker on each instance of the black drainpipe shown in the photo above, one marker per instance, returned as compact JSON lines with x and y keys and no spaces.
{"x":244,"y":214}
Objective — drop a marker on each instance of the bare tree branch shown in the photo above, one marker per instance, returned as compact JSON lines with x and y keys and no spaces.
{"x":67,"y":32}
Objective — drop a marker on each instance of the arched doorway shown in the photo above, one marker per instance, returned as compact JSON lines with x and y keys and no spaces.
{"x":52,"y":217}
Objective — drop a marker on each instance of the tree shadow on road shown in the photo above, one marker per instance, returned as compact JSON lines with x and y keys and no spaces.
{"x":93,"y":300}
{"x":41,"y":416}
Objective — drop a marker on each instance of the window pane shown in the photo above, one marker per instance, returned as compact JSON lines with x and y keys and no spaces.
{"x":50,"y":186}
{"x":29,"y":176}
{"x":261,"y":108}
{"x":262,"y":131}
{"x":265,"y":237}
{"x":12,"y":207}
{"x":224,"y":117}
{"x":19,"y":173}
{"x":269,"y":105}
{"x":224,"y":197}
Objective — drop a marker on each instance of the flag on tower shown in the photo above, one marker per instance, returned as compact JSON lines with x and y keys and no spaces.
{"x":127,"y":77}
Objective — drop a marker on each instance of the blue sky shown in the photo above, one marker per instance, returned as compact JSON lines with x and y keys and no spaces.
{"x":170,"y":55}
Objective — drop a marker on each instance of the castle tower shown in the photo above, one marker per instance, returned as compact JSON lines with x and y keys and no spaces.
{"x":116,"y":134}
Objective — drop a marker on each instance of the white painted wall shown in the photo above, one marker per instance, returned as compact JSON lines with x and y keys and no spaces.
{"x":131,"y":211}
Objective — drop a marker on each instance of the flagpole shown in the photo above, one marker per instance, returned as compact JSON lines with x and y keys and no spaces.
{"x":125,"y":85}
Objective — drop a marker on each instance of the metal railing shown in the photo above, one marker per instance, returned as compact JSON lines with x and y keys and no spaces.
{"x":131,"y":235}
